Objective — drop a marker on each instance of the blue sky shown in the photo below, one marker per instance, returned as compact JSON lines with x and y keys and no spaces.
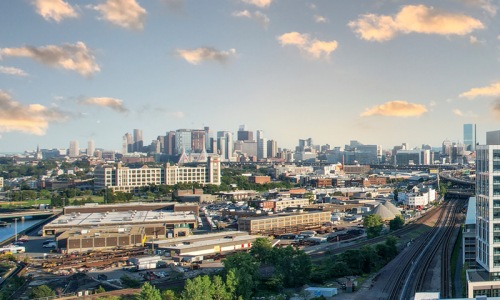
{"x":380,"y":72}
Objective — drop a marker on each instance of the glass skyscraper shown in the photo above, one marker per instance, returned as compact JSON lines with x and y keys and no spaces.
{"x":470,"y":137}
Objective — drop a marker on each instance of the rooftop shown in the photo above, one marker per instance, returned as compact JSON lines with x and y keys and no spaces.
{"x":124,"y":217}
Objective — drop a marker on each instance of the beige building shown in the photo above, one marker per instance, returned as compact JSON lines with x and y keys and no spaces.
{"x":1,"y":183}
{"x":126,"y":179}
{"x":283,"y":223}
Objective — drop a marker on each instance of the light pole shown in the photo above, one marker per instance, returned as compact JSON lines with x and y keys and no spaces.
{"x":15,"y":229}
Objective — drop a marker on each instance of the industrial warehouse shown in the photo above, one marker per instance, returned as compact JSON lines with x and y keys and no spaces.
{"x":284,"y":223}
{"x":206,"y":244}
{"x":155,"y":223}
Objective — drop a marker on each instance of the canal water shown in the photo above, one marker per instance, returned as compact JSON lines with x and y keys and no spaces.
{"x":10,"y":229}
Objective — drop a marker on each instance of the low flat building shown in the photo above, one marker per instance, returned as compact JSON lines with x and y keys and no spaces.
{"x":132,"y":206}
{"x":155,"y":223}
{"x":283,"y":223}
{"x":80,"y":240}
{"x":206,"y":244}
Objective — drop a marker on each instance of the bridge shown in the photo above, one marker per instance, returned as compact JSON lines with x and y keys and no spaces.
{"x":446,"y":176}
{"x":27,"y":214}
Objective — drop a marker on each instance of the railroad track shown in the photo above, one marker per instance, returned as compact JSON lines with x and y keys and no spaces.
{"x":332,"y":250}
{"x":412,"y":271}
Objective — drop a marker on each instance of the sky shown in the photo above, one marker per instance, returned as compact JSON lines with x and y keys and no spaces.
{"x":380,"y":72}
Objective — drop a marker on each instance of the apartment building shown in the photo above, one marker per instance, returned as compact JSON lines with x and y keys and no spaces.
{"x":130,"y":179}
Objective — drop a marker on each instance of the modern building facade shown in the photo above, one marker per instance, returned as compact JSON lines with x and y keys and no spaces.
{"x":485,"y":279}
{"x":74,"y":149}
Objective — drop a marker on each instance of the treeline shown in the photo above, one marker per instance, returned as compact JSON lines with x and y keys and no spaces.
{"x":366,"y":260}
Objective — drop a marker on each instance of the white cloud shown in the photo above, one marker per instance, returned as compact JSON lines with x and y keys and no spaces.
{"x":396,"y":108}
{"x":12,"y":71}
{"x":320,"y":19}
{"x":413,"y":19}
{"x":457,"y":112}
{"x":259,"y":3}
{"x":55,"y":10}
{"x":312,"y":47}
{"x":198,"y":55}
{"x":31,"y":118}
{"x":75,"y":57}
{"x":258,"y":16}
{"x":123,"y":13}
{"x":485,"y":5}
{"x":176,"y":114}
{"x":486,"y":91}
{"x":113,"y":103}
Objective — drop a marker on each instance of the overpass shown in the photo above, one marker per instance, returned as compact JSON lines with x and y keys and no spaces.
{"x":446,"y":176}
{"x":29,"y":214}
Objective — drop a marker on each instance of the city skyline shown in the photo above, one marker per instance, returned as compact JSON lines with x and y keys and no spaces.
{"x":379,"y":72}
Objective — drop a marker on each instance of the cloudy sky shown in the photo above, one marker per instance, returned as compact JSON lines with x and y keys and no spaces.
{"x":380,"y":72}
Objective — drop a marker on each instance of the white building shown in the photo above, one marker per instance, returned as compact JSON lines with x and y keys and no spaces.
{"x":421,"y":198}
{"x":130,"y":179}
{"x":485,"y":279}
{"x":91,"y":148}
{"x":74,"y":149}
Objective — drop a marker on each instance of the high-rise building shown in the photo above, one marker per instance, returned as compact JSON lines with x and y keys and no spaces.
{"x":127,"y":143}
{"x":244,"y":135}
{"x":74,"y":149}
{"x":272,"y":148}
{"x":487,"y":219}
{"x":90,"y":148}
{"x":470,"y":137}
{"x":170,"y":143}
{"x":261,"y":145}
{"x":225,"y":145}
{"x":183,"y":141}
{"x":198,"y":140}
{"x":138,"y":141}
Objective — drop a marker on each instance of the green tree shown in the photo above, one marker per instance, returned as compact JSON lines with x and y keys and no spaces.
{"x":246,"y":271}
{"x":198,"y":288}
{"x":149,"y":292}
{"x":396,"y":223}
{"x":396,"y":192}
{"x":41,"y":291}
{"x":373,"y":225}
{"x":130,"y":282}
{"x":220,"y":290}
{"x":99,"y":290}
{"x":168,"y":295}
{"x":262,"y":250}
{"x":44,"y":194}
{"x":293,"y":264}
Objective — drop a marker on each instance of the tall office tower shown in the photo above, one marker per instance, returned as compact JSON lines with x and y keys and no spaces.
{"x":261,"y":145}
{"x":470,"y":137}
{"x":155,"y":146}
{"x":138,"y":140}
{"x":209,"y":136}
{"x":244,"y":135}
{"x":183,"y":141}
{"x":90,"y":148}
{"x":127,"y":143}
{"x":447,"y":149}
{"x":225,"y":145}
{"x":198,"y":141}
{"x":74,"y":149}
{"x":170,"y":143}
{"x":161,"y":141}
{"x":272,"y":148}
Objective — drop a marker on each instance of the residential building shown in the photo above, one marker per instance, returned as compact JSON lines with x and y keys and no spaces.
{"x":74,"y":149}
{"x":484,"y":280}
{"x":131,"y":179}
{"x":90,"y":148}
{"x":127,"y":143}
{"x":170,"y":143}
{"x":272,"y":148}
{"x":469,"y":235}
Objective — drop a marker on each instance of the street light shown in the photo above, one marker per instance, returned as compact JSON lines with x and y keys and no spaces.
{"x":15,"y":229}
